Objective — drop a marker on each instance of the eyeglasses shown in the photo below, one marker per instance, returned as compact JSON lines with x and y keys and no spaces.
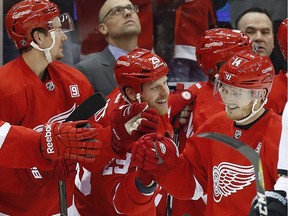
{"x":119,"y":10}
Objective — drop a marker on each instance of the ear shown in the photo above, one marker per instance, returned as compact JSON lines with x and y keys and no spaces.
{"x":130,"y":93}
{"x":261,"y":94}
{"x":264,"y":93}
{"x":38,"y":37}
{"x":102,"y":28}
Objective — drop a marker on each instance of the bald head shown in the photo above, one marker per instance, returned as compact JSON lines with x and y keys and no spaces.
{"x":108,"y":5}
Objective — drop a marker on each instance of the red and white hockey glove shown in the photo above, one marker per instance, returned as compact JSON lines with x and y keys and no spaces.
{"x":155,"y":154}
{"x":180,"y":99}
{"x":181,"y":102}
{"x":70,"y":140}
{"x":130,"y":122}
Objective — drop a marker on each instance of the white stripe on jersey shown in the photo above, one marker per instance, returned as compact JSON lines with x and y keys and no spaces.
{"x":4,"y":129}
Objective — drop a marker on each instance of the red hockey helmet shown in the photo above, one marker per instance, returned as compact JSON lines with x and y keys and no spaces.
{"x":217,"y":45}
{"x":138,"y":67}
{"x":248,"y":70}
{"x":282,"y":37}
{"x":24,"y":16}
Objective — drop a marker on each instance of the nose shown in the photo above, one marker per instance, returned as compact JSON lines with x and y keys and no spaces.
{"x":258,"y":36}
{"x":126,"y":12}
{"x":165,"y":90}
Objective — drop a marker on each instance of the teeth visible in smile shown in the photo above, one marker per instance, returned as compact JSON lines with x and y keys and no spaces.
{"x":232,"y":106}
{"x":162,"y":101}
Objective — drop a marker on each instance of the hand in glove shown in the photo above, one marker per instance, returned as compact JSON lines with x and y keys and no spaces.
{"x":155,"y":154}
{"x":181,"y":103}
{"x":130,"y":122}
{"x":276,"y":204}
{"x":70,"y":140}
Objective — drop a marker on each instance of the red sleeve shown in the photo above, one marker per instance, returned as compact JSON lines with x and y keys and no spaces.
{"x":175,"y":182}
{"x":128,"y":200}
{"x":278,"y":95}
{"x":20,"y":147}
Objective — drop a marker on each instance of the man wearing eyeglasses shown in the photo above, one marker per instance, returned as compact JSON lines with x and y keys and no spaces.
{"x":120,"y":25}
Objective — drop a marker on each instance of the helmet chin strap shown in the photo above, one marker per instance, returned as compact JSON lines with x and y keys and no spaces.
{"x":253,"y":112}
{"x":46,"y":50}
{"x":138,"y":97}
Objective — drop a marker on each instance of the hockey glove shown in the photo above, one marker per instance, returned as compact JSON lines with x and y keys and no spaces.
{"x":70,"y":140}
{"x":130,"y":122}
{"x":63,"y":170}
{"x":181,"y":103}
{"x":145,"y":183}
{"x":155,"y":154}
{"x":145,"y":178}
{"x":276,"y":204}
{"x":180,"y":99}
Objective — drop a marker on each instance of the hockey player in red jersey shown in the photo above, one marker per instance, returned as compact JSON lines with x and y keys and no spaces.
{"x":213,"y":49}
{"x":37,"y":94}
{"x":208,"y":167}
{"x":141,"y":104}
{"x":277,"y":200}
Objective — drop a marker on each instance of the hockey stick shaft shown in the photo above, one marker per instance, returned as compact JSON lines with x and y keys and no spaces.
{"x":253,"y":157}
{"x":176,"y":127}
{"x":169,"y":202}
{"x":83,"y":112}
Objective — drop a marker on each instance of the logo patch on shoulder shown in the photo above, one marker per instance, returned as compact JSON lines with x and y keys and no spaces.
{"x":186,"y":95}
{"x":74,"y":91}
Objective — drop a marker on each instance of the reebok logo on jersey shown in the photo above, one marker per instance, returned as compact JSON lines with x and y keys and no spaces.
{"x":48,"y":137}
{"x":35,"y":172}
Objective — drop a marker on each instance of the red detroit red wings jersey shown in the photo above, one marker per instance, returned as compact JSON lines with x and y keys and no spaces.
{"x":223,"y":173}
{"x":113,"y":188}
{"x":27,"y":101}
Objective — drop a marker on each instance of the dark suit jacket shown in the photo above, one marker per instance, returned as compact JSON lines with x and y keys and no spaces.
{"x":99,"y":69}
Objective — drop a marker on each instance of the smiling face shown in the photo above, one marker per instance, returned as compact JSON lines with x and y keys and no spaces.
{"x":260,"y":30}
{"x":156,"y":93}
{"x":239,"y":101}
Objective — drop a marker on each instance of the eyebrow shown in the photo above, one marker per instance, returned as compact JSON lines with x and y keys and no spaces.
{"x":253,"y":28}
